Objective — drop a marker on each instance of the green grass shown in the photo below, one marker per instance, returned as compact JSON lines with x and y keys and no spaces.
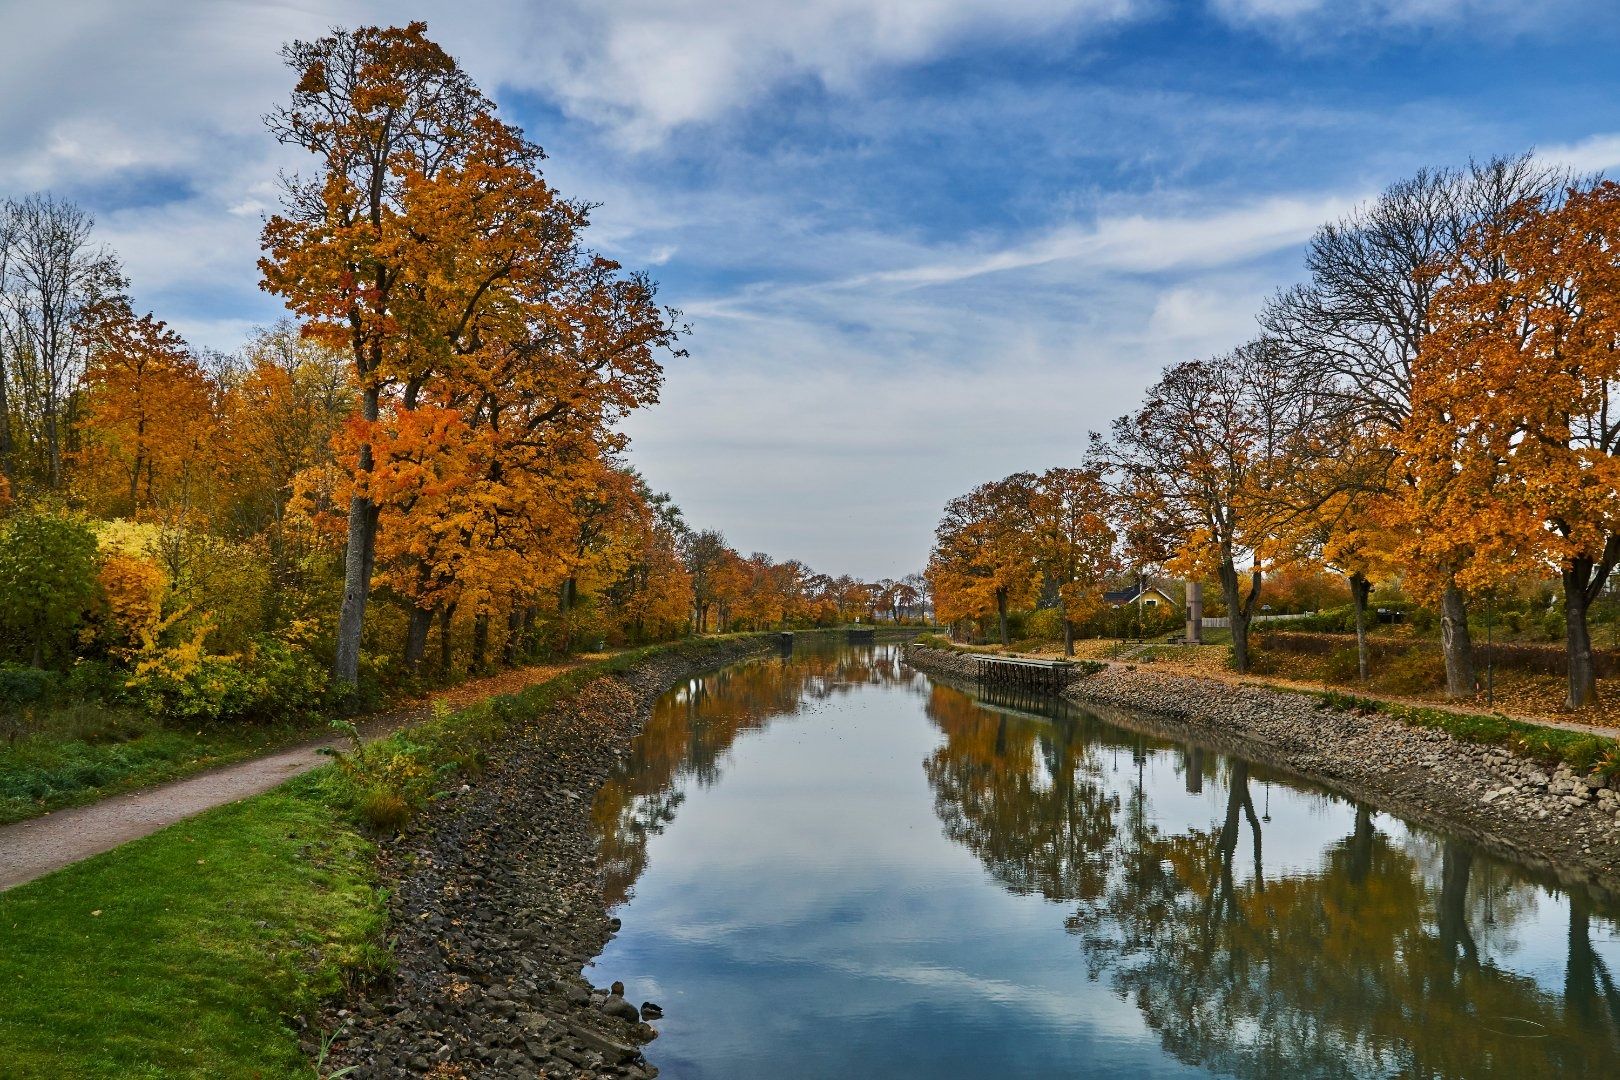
{"x":187,"y":953}
{"x":182,"y":954}
{"x":79,"y":762}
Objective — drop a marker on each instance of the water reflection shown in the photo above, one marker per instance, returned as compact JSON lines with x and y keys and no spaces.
{"x":694,"y":725}
{"x":1163,"y":909}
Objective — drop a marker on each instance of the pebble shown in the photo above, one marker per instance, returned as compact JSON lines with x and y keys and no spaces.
{"x":497,"y":906}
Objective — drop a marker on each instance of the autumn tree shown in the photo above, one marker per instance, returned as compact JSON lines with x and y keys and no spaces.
{"x":983,"y":561}
{"x":1513,"y":443}
{"x":283,"y":407}
{"x":149,"y":418}
{"x":55,"y":286}
{"x":1072,"y":540}
{"x":430,"y":247}
{"x":1196,"y":463}
{"x":704,"y":554}
{"x":1356,"y":328}
{"x":381,"y":251}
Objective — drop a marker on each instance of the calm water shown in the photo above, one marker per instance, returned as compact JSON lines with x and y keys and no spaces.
{"x":834,"y":866}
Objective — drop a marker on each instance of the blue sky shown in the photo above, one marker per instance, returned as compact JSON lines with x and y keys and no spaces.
{"x":922,"y":243}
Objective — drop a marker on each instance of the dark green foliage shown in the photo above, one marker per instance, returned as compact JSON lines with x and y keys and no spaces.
{"x":47,"y":585}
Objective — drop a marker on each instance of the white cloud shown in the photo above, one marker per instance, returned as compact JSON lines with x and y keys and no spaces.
{"x":1597,"y":153}
{"x":647,"y":67}
{"x":1334,"y":17}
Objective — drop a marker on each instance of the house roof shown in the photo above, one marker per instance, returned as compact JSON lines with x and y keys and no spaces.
{"x":1130,"y":595}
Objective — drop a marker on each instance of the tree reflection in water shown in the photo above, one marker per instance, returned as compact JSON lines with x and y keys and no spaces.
{"x":691,"y":730}
{"x":1387,"y":952}
{"x":1369,"y":964}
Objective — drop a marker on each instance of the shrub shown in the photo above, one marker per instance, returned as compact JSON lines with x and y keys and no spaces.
{"x":1415,"y":671}
{"x":47,"y":585}
{"x":22,"y":686}
{"x":183,"y":682}
{"x":1045,"y":624}
{"x":1343,"y":665}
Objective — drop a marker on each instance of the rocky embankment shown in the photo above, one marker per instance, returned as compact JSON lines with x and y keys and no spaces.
{"x":496,"y":906}
{"x":1548,"y":817}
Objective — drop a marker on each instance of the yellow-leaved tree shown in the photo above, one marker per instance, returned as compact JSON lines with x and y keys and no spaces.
{"x":1514,"y":448}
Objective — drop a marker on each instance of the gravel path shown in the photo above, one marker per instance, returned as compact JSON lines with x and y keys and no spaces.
{"x":33,"y":848}
{"x":1549,"y":818}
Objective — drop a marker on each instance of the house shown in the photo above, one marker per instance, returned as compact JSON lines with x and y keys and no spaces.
{"x":1149,"y":595}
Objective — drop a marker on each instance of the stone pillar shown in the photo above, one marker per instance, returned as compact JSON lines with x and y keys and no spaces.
{"x":1195,"y":613}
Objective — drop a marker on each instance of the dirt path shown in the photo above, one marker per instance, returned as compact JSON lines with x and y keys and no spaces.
{"x":33,"y":848}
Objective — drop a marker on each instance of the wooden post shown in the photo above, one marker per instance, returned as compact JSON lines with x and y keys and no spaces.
{"x":1195,"y":613}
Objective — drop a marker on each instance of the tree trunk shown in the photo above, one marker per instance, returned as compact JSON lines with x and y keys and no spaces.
{"x":1068,"y":637}
{"x":445,"y":614}
{"x":480,"y":641}
{"x":416,"y":637}
{"x":1360,"y":590}
{"x":1451,"y":909}
{"x":357,"y":562}
{"x":1360,"y":847}
{"x":8,"y":467}
{"x":1578,"y":635}
{"x":512,"y":648}
{"x":1454,"y":639}
{"x":1237,"y":617}
{"x":1001,"y":615}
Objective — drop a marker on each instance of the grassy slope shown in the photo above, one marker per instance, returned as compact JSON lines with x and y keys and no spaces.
{"x":215,"y":931}
{"x":208,"y":934}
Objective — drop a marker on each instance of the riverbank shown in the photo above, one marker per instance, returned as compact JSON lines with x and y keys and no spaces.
{"x":1537,"y":812}
{"x":496,"y":903}
{"x":213,"y":947}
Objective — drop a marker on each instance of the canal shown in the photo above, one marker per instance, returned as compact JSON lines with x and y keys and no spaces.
{"x":831,"y":865}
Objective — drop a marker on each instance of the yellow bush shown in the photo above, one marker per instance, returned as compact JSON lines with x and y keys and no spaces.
{"x":133,"y":589}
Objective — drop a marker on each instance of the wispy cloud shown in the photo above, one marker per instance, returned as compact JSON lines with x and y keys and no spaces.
{"x":1599,"y":153}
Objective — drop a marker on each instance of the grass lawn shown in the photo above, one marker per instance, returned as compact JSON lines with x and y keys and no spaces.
{"x":116,"y":751}
{"x":182,"y":954}
{"x":188,"y":953}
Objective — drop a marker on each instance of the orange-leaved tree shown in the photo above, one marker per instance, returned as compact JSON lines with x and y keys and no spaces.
{"x":149,"y":417}
{"x":984,"y":560}
{"x":393,"y":249}
{"x":1514,"y":448}
{"x":1073,"y":540}
{"x":1197,"y":463}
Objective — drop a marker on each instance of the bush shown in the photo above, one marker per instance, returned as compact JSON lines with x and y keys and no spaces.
{"x":47,"y":585}
{"x":1415,"y":672}
{"x":1261,"y":661}
{"x":1343,"y":665}
{"x":22,"y":686}
{"x":181,"y":682}
{"x":1044,"y":624}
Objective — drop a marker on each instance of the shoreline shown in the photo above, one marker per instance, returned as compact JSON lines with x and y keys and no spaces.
{"x":496,"y":905}
{"x":1549,"y":818}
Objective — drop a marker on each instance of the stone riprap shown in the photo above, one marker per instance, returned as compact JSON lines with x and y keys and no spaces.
{"x":496,"y":906}
{"x":1548,"y":817}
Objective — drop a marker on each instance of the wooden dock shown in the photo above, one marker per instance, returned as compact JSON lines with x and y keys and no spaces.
{"x":1016,"y":672}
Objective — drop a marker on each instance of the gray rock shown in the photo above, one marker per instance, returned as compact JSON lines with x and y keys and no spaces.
{"x":617,"y":1006}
